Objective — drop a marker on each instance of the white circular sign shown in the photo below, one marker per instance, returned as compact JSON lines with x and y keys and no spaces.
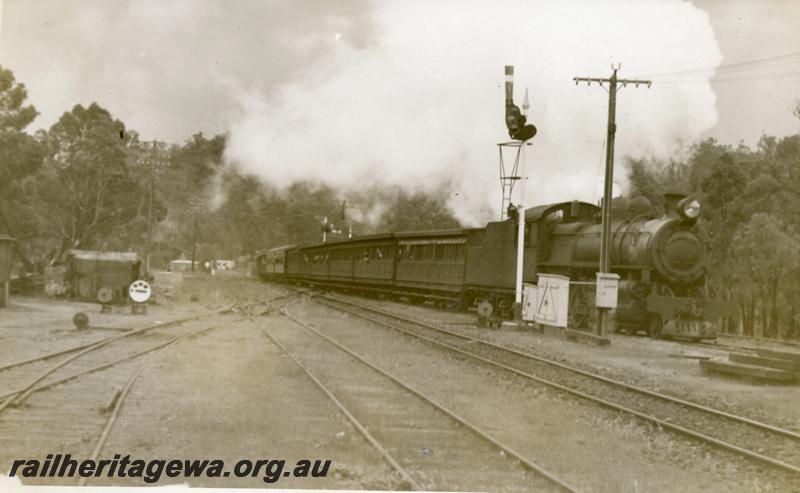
{"x":139,"y":291}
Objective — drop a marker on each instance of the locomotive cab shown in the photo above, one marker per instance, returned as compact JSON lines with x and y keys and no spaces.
{"x":491,"y":262}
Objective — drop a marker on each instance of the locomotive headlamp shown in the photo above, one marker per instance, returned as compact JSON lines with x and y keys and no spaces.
{"x":689,"y":208}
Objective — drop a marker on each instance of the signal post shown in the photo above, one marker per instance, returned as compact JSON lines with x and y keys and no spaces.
{"x":521,"y":131}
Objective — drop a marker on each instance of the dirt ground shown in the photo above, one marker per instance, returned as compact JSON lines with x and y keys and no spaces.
{"x":231,"y":394}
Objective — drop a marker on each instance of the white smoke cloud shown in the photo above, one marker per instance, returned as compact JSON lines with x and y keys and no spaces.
{"x":425,"y":100}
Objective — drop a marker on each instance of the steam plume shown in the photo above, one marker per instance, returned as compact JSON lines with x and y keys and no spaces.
{"x":425,"y":100}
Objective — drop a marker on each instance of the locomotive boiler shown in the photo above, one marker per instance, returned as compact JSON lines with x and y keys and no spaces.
{"x":661,"y":261}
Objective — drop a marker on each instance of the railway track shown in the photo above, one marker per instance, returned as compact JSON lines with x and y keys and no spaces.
{"x":103,"y":354}
{"x":373,"y":408}
{"x":112,"y":418}
{"x":90,"y":420}
{"x":120,"y":395}
{"x":106,"y":340}
{"x":129,"y":332}
{"x":762,"y":443}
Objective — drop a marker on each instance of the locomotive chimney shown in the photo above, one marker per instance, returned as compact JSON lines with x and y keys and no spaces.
{"x":671,"y":200}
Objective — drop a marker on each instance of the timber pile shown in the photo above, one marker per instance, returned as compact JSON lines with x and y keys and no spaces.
{"x":765,"y":364}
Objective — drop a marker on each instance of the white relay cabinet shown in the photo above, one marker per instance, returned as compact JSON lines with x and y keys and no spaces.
{"x":607,"y":288}
{"x":547,"y":302}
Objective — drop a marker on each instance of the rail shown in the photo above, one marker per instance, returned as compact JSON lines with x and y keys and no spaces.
{"x":331,"y":301}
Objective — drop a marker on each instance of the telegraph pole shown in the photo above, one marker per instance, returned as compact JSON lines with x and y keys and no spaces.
{"x":194,"y":241}
{"x":605,"y":238}
{"x":150,"y":208}
{"x":195,"y":206}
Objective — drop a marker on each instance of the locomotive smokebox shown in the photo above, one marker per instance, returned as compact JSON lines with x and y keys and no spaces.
{"x":679,"y":252}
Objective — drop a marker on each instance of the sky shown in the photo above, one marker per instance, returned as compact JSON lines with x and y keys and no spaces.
{"x":759,"y":101}
{"x":411,"y":93}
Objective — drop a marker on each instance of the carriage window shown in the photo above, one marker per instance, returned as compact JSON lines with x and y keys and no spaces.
{"x":378,"y":252}
{"x":528,"y":238}
{"x":305,"y":258}
{"x":439,"y":252}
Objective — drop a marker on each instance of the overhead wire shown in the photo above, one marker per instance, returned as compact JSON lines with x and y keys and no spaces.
{"x":749,"y":70}
{"x":749,"y":77}
{"x":731,"y":67}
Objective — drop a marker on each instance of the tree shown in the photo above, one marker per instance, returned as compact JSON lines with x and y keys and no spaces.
{"x":767,"y":259}
{"x":86,"y":183}
{"x":20,"y":156}
{"x":194,"y":165}
{"x":250,"y":217}
{"x":191,"y":185}
{"x":704,"y":156}
{"x":13,"y":115}
{"x":418,"y":211}
{"x":20,"y":153}
{"x":643,"y":180}
{"x":306,"y":206}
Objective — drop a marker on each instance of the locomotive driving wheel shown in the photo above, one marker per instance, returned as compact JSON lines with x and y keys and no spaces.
{"x":582,"y":314}
{"x":654,"y":326}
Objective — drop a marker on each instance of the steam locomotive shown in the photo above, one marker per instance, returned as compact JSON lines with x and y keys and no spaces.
{"x":661,"y":259}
